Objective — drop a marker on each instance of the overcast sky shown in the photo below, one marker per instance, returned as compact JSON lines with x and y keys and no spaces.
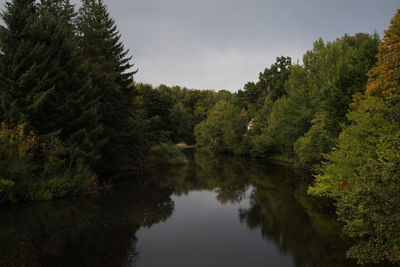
{"x":222,"y":44}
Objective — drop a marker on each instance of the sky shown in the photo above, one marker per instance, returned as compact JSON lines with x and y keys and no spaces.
{"x":222,"y":44}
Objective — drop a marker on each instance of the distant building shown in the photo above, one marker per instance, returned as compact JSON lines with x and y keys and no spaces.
{"x":250,"y":124}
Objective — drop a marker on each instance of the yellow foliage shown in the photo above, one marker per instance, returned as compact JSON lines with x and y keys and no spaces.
{"x":384,"y":77}
{"x":23,"y":142}
{"x":6,"y":190}
{"x":4,"y":184}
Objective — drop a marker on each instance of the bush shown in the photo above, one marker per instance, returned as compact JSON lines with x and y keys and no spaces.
{"x":16,"y":161}
{"x":6,"y":191}
{"x":168,"y":154}
{"x":75,"y":182}
{"x":39,"y":171}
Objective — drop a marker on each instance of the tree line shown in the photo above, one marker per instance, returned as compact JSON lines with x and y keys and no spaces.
{"x":71,"y":115}
{"x":338,"y":114}
{"x":70,"y":110}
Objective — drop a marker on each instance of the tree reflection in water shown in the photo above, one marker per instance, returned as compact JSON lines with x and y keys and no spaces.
{"x":298,"y":224}
{"x":80,"y":232}
{"x":102,"y":231}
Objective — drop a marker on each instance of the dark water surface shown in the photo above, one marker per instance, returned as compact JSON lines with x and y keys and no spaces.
{"x":214,"y":212}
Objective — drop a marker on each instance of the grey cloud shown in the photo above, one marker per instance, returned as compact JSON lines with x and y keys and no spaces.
{"x":222,"y":44}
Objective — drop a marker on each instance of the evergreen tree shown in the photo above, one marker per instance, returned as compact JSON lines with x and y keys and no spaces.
{"x":107,"y":60}
{"x":16,"y":45}
{"x":49,"y":88}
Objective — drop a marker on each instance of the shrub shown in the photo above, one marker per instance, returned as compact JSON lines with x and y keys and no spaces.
{"x":16,"y":156}
{"x":39,"y":171}
{"x":6,"y":191}
{"x":78,"y":181}
{"x":168,"y":154}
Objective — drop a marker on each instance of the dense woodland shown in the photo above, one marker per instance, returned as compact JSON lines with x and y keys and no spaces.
{"x":338,"y":114}
{"x":72,"y":116}
{"x":70,"y":110}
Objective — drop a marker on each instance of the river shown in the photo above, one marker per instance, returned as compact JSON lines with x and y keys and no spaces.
{"x":216,"y":211}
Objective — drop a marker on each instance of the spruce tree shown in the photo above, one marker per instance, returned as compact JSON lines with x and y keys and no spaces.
{"x":50,"y":88}
{"x":109,"y":64}
{"x":16,"y":58}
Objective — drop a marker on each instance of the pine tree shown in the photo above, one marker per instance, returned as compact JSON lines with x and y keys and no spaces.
{"x":16,"y":46}
{"x":110,"y":67}
{"x":50,"y":90}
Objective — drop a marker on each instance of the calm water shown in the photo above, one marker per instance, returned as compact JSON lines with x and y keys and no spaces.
{"x":214,"y":212}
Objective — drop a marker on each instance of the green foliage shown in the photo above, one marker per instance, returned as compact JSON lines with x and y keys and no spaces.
{"x":271,"y":84}
{"x":291,"y":115}
{"x":168,"y":154}
{"x":16,"y":153}
{"x":362,"y":173}
{"x":223,"y":130}
{"x":45,"y":85}
{"x":110,"y":70}
{"x":189,"y":109}
{"x":153,"y":106}
{"x":316,"y":142}
{"x":66,"y":76}
{"x":284,"y":102}
{"x":171,"y":113}
{"x":362,"y":176}
{"x":6,"y":191}
{"x":339,"y":70}
{"x":33,"y":172}
{"x":15,"y":44}
{"x":78,"y":180}
{"x":331,"y":74}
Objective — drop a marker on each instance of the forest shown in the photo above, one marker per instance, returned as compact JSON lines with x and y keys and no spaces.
{"x":72,"y":116}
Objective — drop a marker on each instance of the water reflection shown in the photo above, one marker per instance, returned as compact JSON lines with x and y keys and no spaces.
{"x":280,"y":217}
{"x":237,"y":212}
{"x":80,"y":232}
{"x":228,"y":177}
{"x":298,"y":225}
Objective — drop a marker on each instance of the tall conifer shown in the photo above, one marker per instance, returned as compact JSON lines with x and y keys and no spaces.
{"x":47,"y":86}
{"x":110,"y":67}
{"x":17,"y":47}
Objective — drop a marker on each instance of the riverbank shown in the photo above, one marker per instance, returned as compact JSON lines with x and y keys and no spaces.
{"x":210,"y":207}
